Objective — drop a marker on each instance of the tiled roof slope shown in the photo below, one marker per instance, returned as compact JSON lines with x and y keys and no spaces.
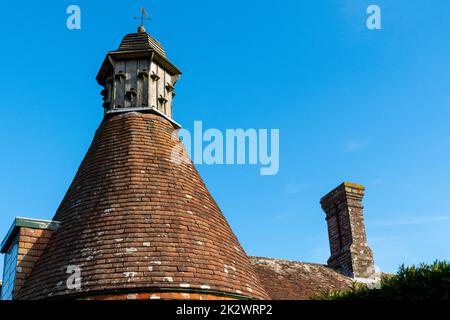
{"x":291,"y":280}
{"x":141,"y":41}
{"x":134,"y":220}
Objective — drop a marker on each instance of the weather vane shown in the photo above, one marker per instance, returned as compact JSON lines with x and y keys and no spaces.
{"x":144,"y":16}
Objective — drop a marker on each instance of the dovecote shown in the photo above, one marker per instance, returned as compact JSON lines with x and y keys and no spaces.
{"x":138,"y":77}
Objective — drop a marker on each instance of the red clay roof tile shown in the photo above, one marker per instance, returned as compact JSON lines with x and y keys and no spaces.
{"x":127,"y":222}
{"x":292,"y":280}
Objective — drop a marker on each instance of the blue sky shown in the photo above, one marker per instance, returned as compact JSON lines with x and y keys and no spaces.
{"x":351,"y":104}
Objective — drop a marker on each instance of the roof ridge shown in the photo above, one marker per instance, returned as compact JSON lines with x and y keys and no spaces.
{"x":287,"y":260}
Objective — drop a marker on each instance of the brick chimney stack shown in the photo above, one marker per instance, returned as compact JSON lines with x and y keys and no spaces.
{"x":350,"y":253}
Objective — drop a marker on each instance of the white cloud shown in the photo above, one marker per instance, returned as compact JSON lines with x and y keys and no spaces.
{"x":294,"y":188}
{"x":378,"y":181}
{"x":355,"y":145}
{"x":412,"y":221}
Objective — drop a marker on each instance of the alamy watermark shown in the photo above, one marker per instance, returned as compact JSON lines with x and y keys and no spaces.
{"x":74,"y":280}
{"x":73,"y":21}
{"x":374,"y":20}
{"x":258,"y":147}
{"x":374,"y":281}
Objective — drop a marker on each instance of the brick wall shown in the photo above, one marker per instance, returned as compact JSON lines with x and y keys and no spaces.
{"x":160,"y":296}
{"x":32,"y":243}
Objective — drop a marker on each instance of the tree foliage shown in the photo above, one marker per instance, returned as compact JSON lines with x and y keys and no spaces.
{"x":423,"y":282}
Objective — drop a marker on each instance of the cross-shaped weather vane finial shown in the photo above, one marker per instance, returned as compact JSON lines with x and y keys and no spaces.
{"x":144,"y":16}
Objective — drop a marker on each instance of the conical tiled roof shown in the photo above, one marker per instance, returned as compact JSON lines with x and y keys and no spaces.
{"x":135,"y":221}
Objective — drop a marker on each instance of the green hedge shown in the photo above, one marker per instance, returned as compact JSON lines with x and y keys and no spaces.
{"x":424,"y":282}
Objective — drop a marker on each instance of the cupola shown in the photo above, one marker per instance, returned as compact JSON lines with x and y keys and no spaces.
{"x":138,"y":76}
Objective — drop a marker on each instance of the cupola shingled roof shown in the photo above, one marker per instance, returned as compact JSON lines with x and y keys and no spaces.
{"x":141,"y":41}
